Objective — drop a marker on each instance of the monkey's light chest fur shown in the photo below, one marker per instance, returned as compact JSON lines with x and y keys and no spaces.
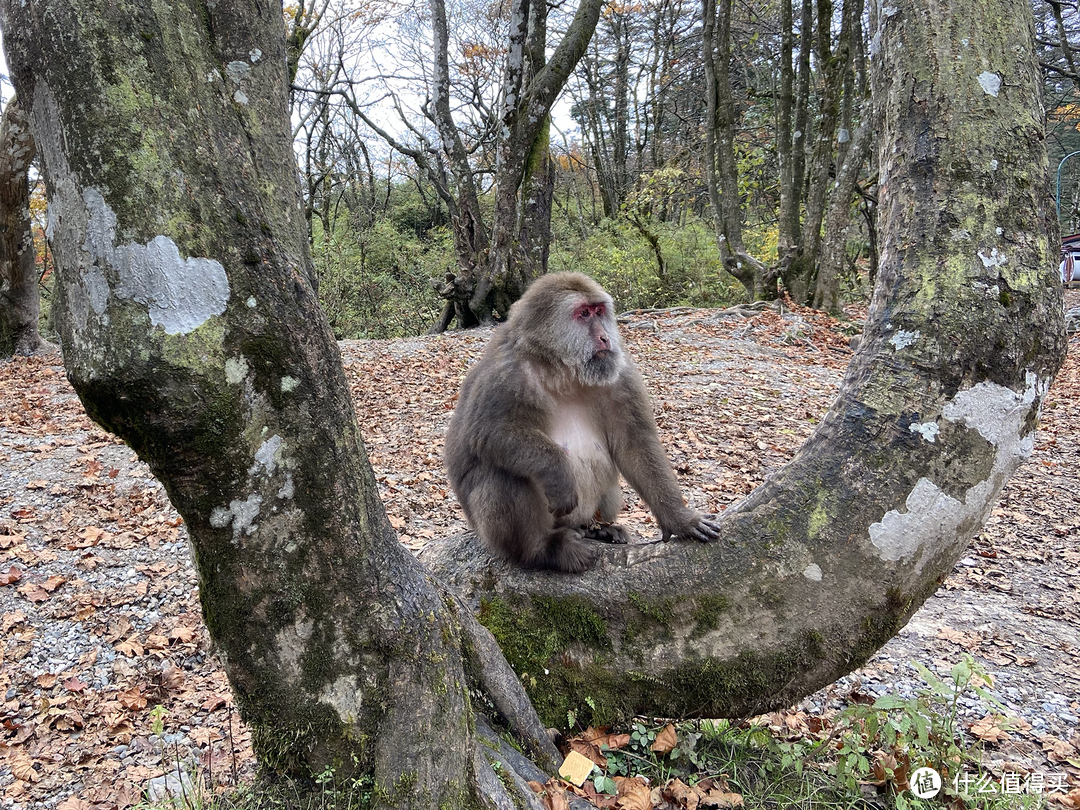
{"x":575,"y":429}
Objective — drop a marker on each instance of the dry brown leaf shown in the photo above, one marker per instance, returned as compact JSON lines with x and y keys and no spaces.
{"x":633,"y":793}
{"x":12,"y":619}
{"x":666,"y":740}
{"x":73,"y":684}
{"x":171,"y":676}
{"x":206,"y":736}
{"x":602,"y":739}
{"x":34,"y":592}
{"x":552,"y":794}
{"x":214,"y":702}
{"x":13,"y":574}
{"x":589,"y":750}
{"x":47,"y":680}
{"x":74,"y":803}
{"x":681,"y":794}
{"x":1057,"y":750}
{"x":132,"y":699}
{"x":9,"y":540}
{"x":182,"y":634}
{"x":22,"y":767}
{"x":989,"y":729}
{"x":130,"y":647}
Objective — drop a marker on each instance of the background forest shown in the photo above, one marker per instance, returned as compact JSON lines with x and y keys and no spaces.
{"x":699,"y":154}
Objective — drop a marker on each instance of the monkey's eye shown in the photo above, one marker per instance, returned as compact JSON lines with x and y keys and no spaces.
{"x":585,"y":311}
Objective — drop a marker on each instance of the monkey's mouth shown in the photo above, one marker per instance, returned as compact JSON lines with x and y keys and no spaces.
{"x":603,"y":354}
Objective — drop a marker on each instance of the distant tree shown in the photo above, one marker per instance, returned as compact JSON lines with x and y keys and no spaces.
{"x":20,"y":297}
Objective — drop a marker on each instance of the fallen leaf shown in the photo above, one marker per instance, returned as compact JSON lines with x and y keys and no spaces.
{"x":22,"y":767}
{"x":131,"y":647}
{"x":73,"y":684}
{"x":589,"y":750}
{"x":74,"y":803}
{"x":182,"y":634}
{"x":13,"y":574}
{"x":214,"y":702}
{"x":989,"y":729}
{"x":665,"y":741}
{"x":132,"y":699}
{"x":34,"y":592}
{"x":205,"y":736}
{"x":634,"y":793}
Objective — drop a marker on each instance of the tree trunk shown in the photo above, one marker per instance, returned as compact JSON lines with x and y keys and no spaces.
{"x":493,"y":271}
{"x":800,"y":275}
{"x":790,"y":192}
{"x":826,"y":561}
{"x":834,"y":242}
{"x":190,"y":328}
{"x":722,"y":174}
{"x":20,"y":299}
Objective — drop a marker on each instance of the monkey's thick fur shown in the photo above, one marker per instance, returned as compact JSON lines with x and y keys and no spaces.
{"x":547,"y":419}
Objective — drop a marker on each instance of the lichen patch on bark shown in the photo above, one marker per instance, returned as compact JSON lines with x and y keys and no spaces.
{"x":1000,"y":415}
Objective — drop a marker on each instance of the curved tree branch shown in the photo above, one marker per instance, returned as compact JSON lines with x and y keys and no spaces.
{"x":829,"y":558}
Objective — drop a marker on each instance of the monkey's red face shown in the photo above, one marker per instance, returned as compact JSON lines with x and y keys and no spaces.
{"x":591,"y":316}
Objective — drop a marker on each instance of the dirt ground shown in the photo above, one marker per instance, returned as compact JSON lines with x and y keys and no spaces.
{"x":107,"y":677}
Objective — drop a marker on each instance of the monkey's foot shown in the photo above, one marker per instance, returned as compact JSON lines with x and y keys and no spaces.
{"x":568,"y":553}
{"x":606,"y":533}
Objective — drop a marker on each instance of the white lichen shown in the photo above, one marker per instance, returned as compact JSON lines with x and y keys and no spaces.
{"x":236,"y":368}
{"x":241,"y":514}
{"x":995,"y":259}
{"x":287,"y":489}
{"x":990,"y":82}
{"x":902,"y":339}
{"x":268,"y":455}
{"x":180,"y":294}
{"x":288,"y":384}
{"x":928,"y":430}
{"x":929,"y":516}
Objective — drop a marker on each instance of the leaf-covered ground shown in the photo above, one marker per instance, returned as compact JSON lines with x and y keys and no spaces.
{"x":98,"y":600}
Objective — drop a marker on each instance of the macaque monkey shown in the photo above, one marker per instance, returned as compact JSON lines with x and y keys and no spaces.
{"x":547,"y":419}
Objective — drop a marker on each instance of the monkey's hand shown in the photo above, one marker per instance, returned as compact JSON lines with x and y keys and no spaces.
{"x":693,"y":525}
{"x":561,"y":496}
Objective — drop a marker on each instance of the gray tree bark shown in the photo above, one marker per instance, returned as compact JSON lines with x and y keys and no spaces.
{"x":838,"y":218}
{"x":20,"y":298}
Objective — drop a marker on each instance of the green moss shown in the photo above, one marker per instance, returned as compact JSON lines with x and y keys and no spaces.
{"x":536,"y":640}
{"x":653,"y":616}
{"x":706,"y":613}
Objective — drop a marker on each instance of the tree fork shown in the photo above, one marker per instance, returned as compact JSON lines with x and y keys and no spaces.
{"x":826,"y":561}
